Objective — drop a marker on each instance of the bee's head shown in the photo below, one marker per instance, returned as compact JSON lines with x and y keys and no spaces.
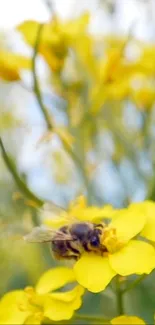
{"x":94,"y":241}
{"x":94,"y":238}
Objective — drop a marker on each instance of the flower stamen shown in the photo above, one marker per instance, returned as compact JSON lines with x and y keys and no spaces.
{"x":111,"y":241}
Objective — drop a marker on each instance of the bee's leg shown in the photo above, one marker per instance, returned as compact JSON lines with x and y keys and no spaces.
{"x":87,"y":246}
{"x":64,"y":257}
{"x":99,"y":225}
{"x":72,"y":257}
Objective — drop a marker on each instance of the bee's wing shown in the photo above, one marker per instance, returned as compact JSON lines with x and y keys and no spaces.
{"x":50,"y":212}
{"x":43,"y":234}
{"x":50,"y":209}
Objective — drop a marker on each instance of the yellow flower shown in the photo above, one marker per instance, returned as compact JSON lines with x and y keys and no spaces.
{"x":125,"y":255}
{"x":127,"y":320}
{"x":31,"y":306}
{"x":56,"y":38}
{"x":114,"y":91}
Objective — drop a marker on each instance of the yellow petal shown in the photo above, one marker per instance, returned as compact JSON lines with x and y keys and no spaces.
{"x":61,"y":306}
{"x":54,"y":279}
{"x":10,"y":312}
{"x":79,"y":210}
{"x":11,"y":64}
{"x":52,"y":58}
{"x":136,"y":257}
{"x":84,"y":46}
{"x":127,"y":320}
{"x":29,"y":30}
{"x":53,"y":30}
{"x":149,"y":227}
{"x":93,"y":272}
{"x":68,"y":296}
{"x":128,"y":223}
{"x":58,"y":311}
{"x":93,"y":214}
{"x":76,"y":27}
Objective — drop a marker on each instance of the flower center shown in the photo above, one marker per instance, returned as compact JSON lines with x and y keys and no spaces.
{"x":111,"y":241}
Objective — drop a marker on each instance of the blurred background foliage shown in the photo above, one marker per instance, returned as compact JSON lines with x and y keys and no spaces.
{"x":77,"y":113}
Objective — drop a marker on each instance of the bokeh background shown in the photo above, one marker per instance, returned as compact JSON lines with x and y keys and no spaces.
{"x":98,"y":86}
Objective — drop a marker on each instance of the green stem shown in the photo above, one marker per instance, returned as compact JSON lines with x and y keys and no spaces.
{"x":20,"y":183}
{"x":36,"y":83}
{"x":151,"y":189}
{"x":134,"y":283}
{"x":44,"y":110}
{"x":119,"y":297}
{"x":92,"y":318}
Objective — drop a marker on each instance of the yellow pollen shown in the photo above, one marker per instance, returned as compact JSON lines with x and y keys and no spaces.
{"x":110,"y":240}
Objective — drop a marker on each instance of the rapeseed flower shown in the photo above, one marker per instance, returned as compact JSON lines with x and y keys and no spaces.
{"x":31,"y":306}
{"x":57,"y":37}
{"x":125,"y":254}
{"x":127,"y":320}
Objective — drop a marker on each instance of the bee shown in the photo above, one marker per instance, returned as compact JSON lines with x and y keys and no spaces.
{"x":70,"y":241}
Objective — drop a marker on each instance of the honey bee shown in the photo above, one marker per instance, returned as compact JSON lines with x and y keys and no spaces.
{"x":70,"y":241}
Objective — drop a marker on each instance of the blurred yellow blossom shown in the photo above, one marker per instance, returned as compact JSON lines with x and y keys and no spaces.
{"x":8,"y":121}
{"x":11,"y":65}
{"x":127,"y":320}
{"x":31,"y":306}
{"x":115,"y":91}
{"x":57,"y":36}
{"x":109,"y":63}
{"x":146,"y":62}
